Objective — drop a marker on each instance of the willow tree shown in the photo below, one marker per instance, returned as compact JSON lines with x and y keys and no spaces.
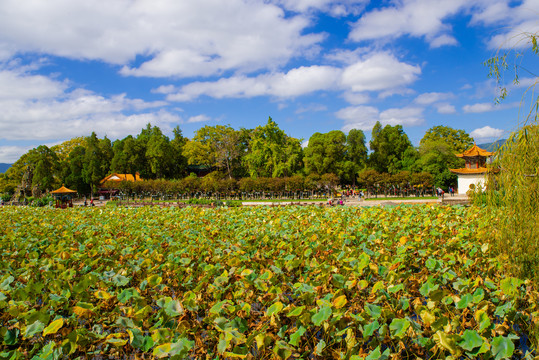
{"x":515,"y":188}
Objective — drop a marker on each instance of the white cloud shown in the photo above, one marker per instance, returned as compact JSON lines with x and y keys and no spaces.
{"x":296,"y":82}
{"x":10,"y":154}
{"x":513,"y":22}
{"x":444,"y":108}
{"x":479,"y":108}
{"x":487,"y":132}
{"x":364,"y":117}
{"x":198,"y":118}
{"x":417,"y":18}
{"x":377,"y":72}
{"x":175,"y":38}
{"x":432,"y":97}
{"x":333,"y":7}
{"x":40,"y":108}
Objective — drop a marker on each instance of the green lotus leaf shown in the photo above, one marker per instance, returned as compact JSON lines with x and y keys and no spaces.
{"x":321,"y":315}
{"x":502,"y":347}
{"x":218,"y":307}
{"x":428,"y":287}
{"x":470,"y":340}
{"x":11,"y":335}
{"x":371,"y":328}
{"x":174,"y":308}
{"x":320,"y":347}
{"x":296,"y":311}
{"x":128,"y":294}
{"x":373,"y":310}
{"x":275,"y":308}
{"x":465,"y":301}
{"x":377,"y":355}
{"x":33,"y":329}
{"x":296,"y":336}
{"x":398,"y":327}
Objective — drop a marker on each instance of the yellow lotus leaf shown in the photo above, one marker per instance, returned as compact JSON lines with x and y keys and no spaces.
{"x":100,"y":294}
{"x":340,"y":301}
{"x":53,"y":327}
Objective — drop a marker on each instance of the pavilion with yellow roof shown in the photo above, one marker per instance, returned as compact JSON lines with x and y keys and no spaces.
{"x":63,"y":197}
{"x":475,"y":170}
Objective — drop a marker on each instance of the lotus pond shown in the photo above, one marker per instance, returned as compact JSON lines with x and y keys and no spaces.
{"x":259,"y":283}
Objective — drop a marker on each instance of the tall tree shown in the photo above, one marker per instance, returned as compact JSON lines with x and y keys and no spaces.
{"x":437,"y":151}
{"x":46,"y":167}
{"x":216,"y":146}
{"x":93,"y":170}
{"x":388,"y":145}
{"x":159,"y":154}
{"x":179,"y":161}
{"x":74,"y":178}
{"x":326,"y":153}
{"x":356,"y":148}
{"x":272,"y":153}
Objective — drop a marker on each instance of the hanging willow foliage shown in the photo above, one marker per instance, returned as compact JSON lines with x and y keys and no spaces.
{"x":516,"y":189}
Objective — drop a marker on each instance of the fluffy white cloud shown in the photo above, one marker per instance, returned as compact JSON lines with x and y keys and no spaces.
{"x":444,"y":108}
{"x":487,"y":132}
{"x":174,"y":38}
{"x":379,"y":71}
{"x":432,"y":97}
{"x":198,"y":118}
{"x":417,"y":18}
{"x":479,"y":108}
{"x":40,"y":108}
{"x":10,"y":154}
{"x":364,"y":117}
{"x":333,"y":7}
{"x":296,"y":82}
{"x":376,"y":72}
{"x":512,"y":21}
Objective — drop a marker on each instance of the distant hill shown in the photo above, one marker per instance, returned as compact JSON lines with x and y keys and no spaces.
{"x":493,"y":146}
{"x":4,"y":167}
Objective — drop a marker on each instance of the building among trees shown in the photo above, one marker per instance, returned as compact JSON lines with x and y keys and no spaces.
{"x":475,"y":171}
{"x":106,"y":188}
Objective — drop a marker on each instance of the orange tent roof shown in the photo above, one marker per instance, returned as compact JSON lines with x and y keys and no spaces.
{"x":121,"y":177}
{"x":475,"y":151}
{"x":63,"y":190}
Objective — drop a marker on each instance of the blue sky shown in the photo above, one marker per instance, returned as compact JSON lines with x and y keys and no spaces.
{"x":70,"y":67}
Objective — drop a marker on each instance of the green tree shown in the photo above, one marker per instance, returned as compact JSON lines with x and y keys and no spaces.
{"x":46,"y":167}
{"x":216,"y":146}
{"x":179,"y":161}
{"x":326,"y":153}
{"x":74,"y":166}
{"x":388,"y":145}
{"x":356,"y":148}
{"x":457,"y":140}
{"x":437,"y":151}
{"x":159,"y":154}
{"x":272,"y":153}
{"x":93,"y":170}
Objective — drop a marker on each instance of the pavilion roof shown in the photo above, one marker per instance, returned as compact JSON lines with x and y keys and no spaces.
{"x":121,"y":177}
{"x":475,"y":151}
{"x":63,"y":190}
{"x":464,"y":171}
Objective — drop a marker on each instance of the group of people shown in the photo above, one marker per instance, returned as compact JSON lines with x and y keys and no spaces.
{"x":441,"y":192}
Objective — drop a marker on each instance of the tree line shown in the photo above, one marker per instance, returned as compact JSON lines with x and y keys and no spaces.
{"x":265,"y":152}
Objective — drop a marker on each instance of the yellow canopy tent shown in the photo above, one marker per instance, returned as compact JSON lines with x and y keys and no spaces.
{"x":63,"y":197}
